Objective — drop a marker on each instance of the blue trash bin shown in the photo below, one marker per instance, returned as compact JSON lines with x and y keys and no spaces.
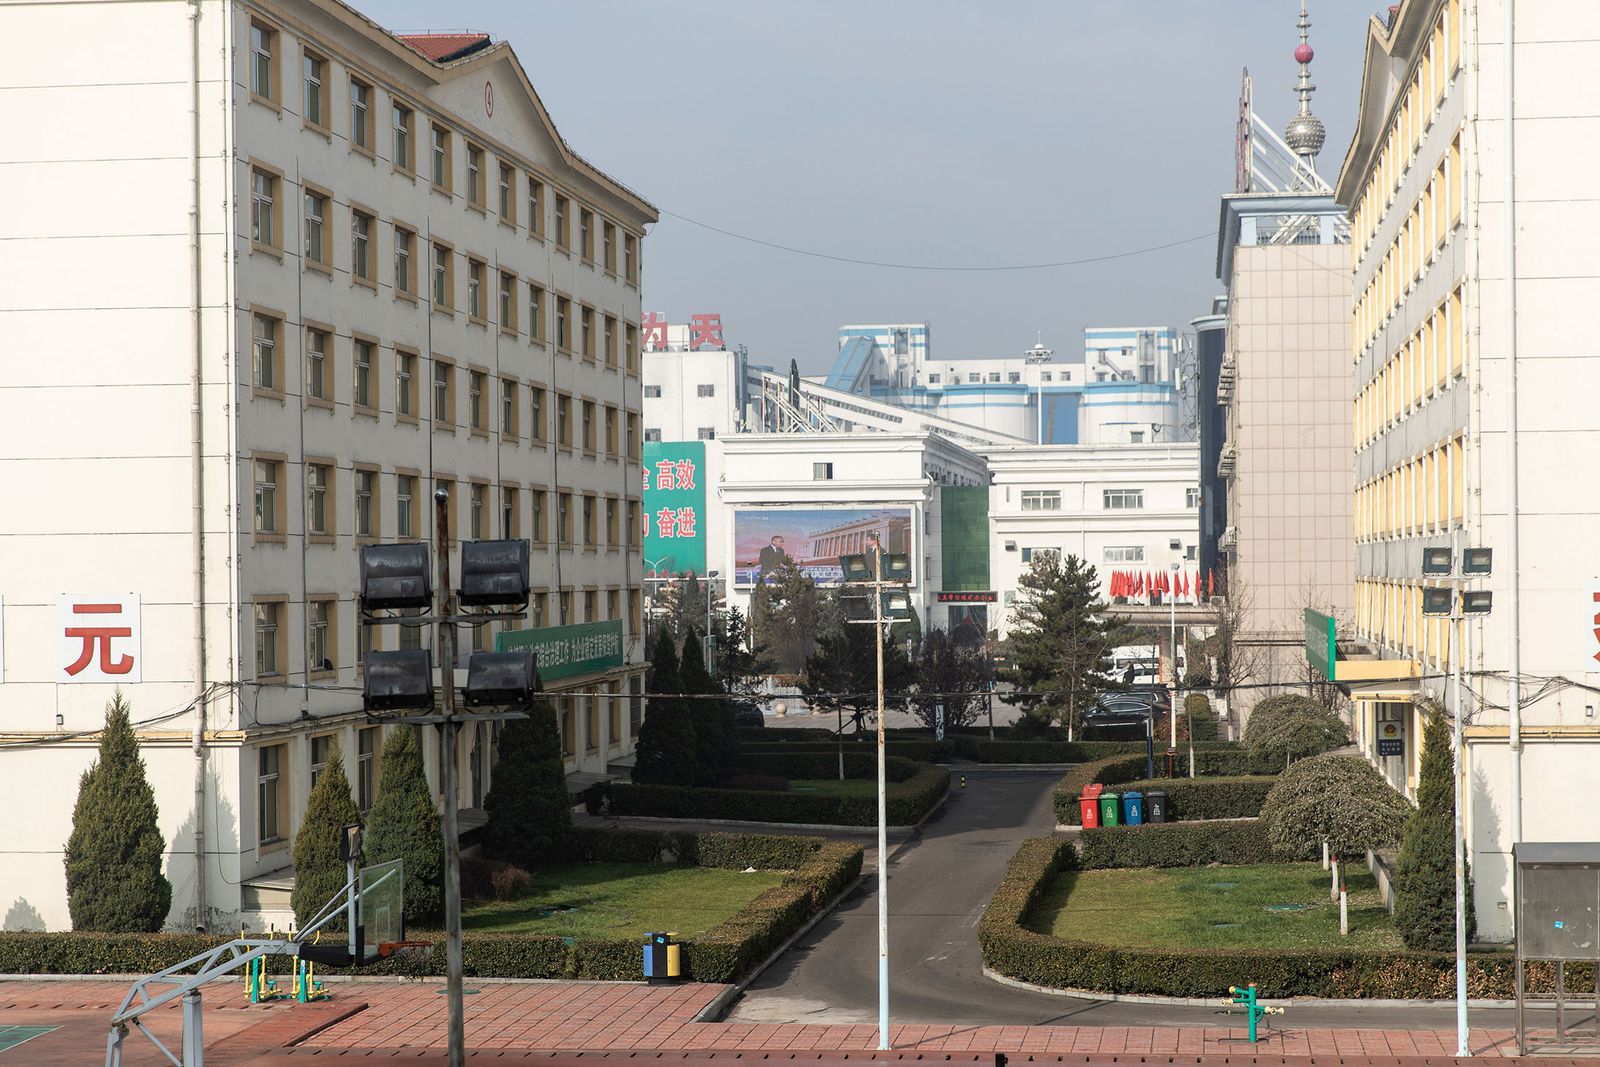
{"x":1132,"y":808}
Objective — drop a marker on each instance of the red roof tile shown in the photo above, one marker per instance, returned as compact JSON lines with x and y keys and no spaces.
{"x":443,"y":47}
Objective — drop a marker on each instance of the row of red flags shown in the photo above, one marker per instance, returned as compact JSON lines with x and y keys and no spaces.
{"x":1141,"y":585}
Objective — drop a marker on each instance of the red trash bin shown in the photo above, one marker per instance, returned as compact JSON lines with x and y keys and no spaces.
{"x":1089,"y":805}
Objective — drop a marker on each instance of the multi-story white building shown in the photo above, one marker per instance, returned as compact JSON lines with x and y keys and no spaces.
{"x":1117,"y":507}
{"x":693,"y":391}
{"x":1473,"y":378}
{"x":275,"y":299}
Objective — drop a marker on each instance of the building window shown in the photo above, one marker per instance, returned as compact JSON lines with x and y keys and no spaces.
{"x":536,"y":531}
{"x":322,"y":628}
{"x":475,"y":274}
{"x":443,"y":392}
{"x":933,"y":379}
{"x":411,"y":636}
{"x":361,"y":373}
{"x":589,"y":541}
{"x":1031,"y":554}
{"x":706,"y":433}
{"x":586,"y":413}
{"x":563,"y":420}
{"x":705,"y":390}
{"x":632,"y":345}
{"x":479,"y":507}
{"x":317,"y":383}
{"x":1041,"y":500}
{"x":652,"y":434}
{"x":563,"y":309}
{"x":630,"y":258}
{"x":405,"y":384}
{"x":611,"y":341}
{"x":536,"y":410}
{"x":1123,"y":499}
{"x":652,"y":392}
{"x":263,"y":47}
{"x":474,"y":176}
{"x":405,"y":505}
{"x":1124,"y":554}
{"x":403,"y":278}
{"x":319,"y":480}
{"x":1136,"y":437}
{"x":264,"y":209}
{"x":366,"y":766}
{"x":361,"y":245}
{"x":611,"y":430}
{"x":402,"y":118}
{"x":508,"y":195}
{"x":442,"y":281}
{"x":1014,"y":377}
{"x":586,"y":234}
{"x":611,"y":536}
{"x":586,"y":321}
{"x":477,"y":381}
{"x":563,"y":525}
{"x":822,"y":472}
{"x":269,"y":475}
{"x":271,"y":797}
{"x":361,"y":114}
{"x":508,"y":409}
{"x":510,"y":527}
{"x":1191,"y":496}
{"x":316,"y":247}
{"x":974,"y":376}
{"x":561,"y":222}
{"x":535,"y":315}
{"x":269,"y":661}
{"x":994,"y":376}
{"x":314,"y":67}
{"x":535,"y":207}
{"x":1191,"y":552}
{"x":508,"y":302}
{"x":439,"y":156}
{"x":265,"y":357}
{"x":366,"y":503}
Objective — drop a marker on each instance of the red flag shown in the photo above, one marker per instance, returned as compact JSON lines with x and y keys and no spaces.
{"x":1183,"y":583}
{"x":1211,"y":583}
{"x":1138,"y":585}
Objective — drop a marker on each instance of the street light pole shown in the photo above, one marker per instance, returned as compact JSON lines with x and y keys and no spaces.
{"x":1037,"y":356}
{"x":880,"y":632}
{"x":710,"y":576}
{"x":1172,"y":639}
{"x":447,"y":784}
{"x":1463,"y":1047}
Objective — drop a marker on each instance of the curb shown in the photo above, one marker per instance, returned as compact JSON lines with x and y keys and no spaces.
{"x":1213,"y":1002}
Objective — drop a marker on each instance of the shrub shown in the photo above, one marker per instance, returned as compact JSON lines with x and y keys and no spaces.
{"x":115,"y":851}
{"x":528,"y":806}
{"x":404,"y":824}
{"x":509,"y":882}
{"x":1425,"y":876}
{"x":1288,"y":726}
{"x":1209,"y":798}
{"x":716,"y":738}
{"x":666,"y":753}
{"x":1203,"y":722}
{"x":1342,"y":800}
{"x":319,"y":873}
{"x":1011,"y":949}
{"x":485,"y":879}
{"x":1175,"y":844}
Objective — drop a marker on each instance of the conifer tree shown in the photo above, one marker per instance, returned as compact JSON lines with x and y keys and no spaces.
{"x":1425,"y":876}
{"x":404,"y":824}
{"x":114,"y":854}
{"x":716,"y":739}
{"x":1061,"y":640}
{"x":666,"y":746}
{"x":319,"y":873}
{"x":529,"y":810}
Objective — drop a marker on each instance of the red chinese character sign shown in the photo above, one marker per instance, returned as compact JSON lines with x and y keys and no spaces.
{"x":97,"y":638}
{"x":705,"y":331}
{"x":653,"y":331}
{"x":674,"y":507}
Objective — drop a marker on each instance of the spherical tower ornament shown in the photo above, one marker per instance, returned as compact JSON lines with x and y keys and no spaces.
{"x":1305,"y":134}
{"x":1304,"y":54}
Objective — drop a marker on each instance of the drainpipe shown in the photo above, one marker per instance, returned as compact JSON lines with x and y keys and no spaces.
{"x":1513,"y":546}
{"x":197,"y":473}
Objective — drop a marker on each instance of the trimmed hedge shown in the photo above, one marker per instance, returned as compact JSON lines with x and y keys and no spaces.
{"x":927,"y":750}
{"x":922,"y":787}
{"x":1010,"y":949}
{"x":819,"y":870}
{"x":1175,"y":844}
{"x":1113,"y":770}
{"x":1224,"y":791}
{"x":1209,"y":798}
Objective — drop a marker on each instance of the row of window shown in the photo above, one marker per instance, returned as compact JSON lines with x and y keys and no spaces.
{"x":653,"y":392}
{"x":1390,"y":613}
{"x":1423,"y":495}
{"x":500,"y":515}
{"x":1433,"y":218}
{"x":322,"y":622}
{"x":550,"y":316}
{"x":1111,"y":554}
{"x":516,"y":184}
{"x":1421,"y":368}
{"x":491,"y":402}
{"x":1011,"y":377}
{"x":1415,"y":114}
{"x":1111,"y":499}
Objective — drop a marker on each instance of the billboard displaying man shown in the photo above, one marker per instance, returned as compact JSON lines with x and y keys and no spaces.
{"x":814,"y":538}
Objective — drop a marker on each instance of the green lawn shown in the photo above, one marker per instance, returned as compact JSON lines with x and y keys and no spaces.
{"x":833,"y":787}
{"x":1185,"y":907}
{"x":621,"y":900}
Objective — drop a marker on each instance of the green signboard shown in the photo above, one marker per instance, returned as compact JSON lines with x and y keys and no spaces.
{"x":565,"y":651}
{"x":1322,"y":650}
{"x":674,"y":508}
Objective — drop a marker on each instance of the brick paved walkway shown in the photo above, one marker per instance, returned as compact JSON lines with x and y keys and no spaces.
{"x":384,"y":1018}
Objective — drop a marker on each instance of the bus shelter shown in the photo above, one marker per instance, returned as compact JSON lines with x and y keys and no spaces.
{"x":1557,"y":892}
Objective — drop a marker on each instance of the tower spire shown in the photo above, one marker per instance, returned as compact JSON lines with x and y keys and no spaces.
{"x":1305,"y":133}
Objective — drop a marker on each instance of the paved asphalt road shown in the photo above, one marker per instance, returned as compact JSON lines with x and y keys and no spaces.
{"x":939,"y":883}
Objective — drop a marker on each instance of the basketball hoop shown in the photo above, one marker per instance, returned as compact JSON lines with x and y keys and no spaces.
{"x":386,"y":949}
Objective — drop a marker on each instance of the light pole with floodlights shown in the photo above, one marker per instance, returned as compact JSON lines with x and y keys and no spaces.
{"x":1037,"y":357}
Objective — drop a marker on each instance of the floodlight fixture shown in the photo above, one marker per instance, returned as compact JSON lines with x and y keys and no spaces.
{"x":1476,"y":602}
{"x":896,"y":604}
{"x":856,"y":568}
{"x":395,"y":576}
{"x":397,"y":680}
{"x":500,"y":678}
{"x":1438,"y":562}
{"x":896,"y":567}
{"x":1438,"y":602}
{"x":1477,"y":562}
{"x":494,"y":574}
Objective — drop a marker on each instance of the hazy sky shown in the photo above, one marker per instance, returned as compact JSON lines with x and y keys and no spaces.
{"x":937,"y":132}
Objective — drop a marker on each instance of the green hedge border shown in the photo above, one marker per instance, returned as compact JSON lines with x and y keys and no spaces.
{"x":922,"y":786}
{"x":1012,"y":950}
{"x":1175,"y":844}
{"x":819,"y":870}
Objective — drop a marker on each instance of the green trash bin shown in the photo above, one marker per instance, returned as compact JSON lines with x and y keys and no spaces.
{"x":1110,"y":809}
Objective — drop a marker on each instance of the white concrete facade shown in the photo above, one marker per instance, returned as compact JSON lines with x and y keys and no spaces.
{"x":1436,"y":325}
{"x":227,"y":410}
{"x":1116,"y":507}
{"x":691,"y":396}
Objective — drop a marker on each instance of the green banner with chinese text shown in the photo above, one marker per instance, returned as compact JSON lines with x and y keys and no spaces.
{"x":674,"y":508}
{"x":566,"y":651}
